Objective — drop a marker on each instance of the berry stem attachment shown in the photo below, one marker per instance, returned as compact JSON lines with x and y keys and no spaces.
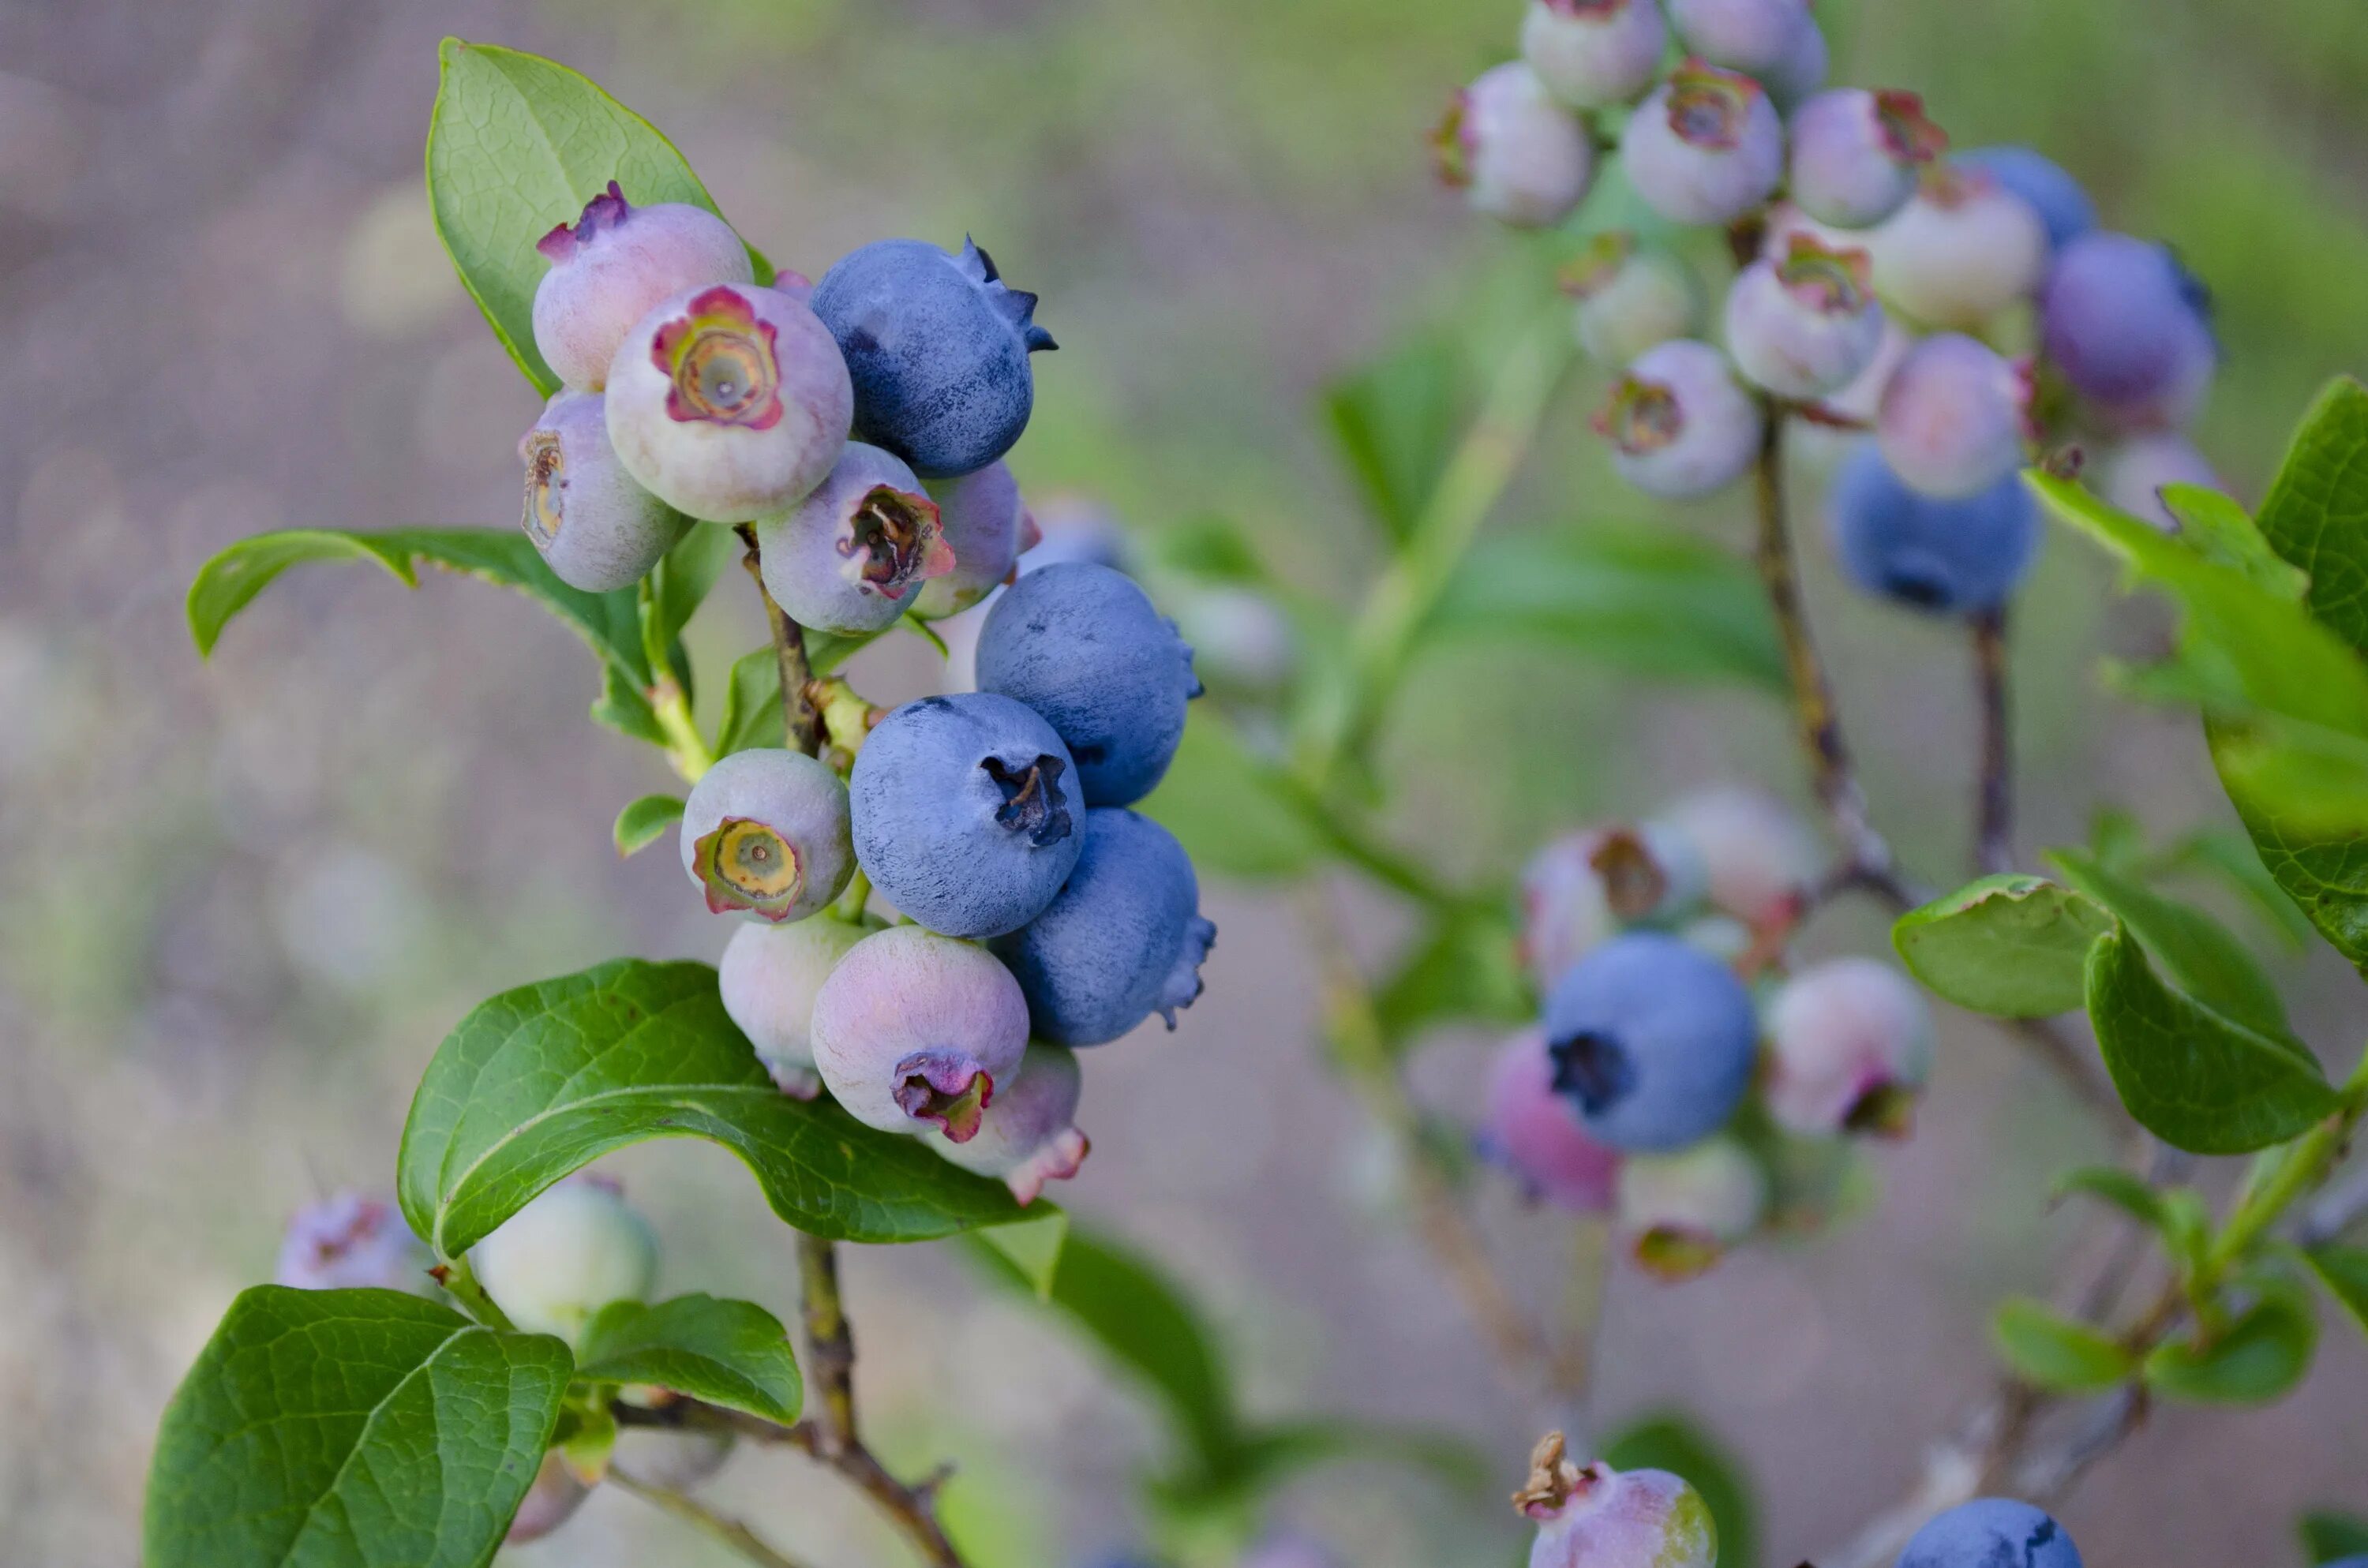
{"x":789,"y":649}
{"x":459,"y":1279}
{"x":730,"y":1532}
{"x":1994,"y":795}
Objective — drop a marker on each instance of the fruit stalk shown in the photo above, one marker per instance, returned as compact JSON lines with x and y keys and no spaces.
{"x":790,"y":650}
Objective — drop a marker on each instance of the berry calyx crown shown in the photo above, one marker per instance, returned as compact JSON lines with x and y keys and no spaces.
{"x":1708,"y":107}
{"x":721,"y":362}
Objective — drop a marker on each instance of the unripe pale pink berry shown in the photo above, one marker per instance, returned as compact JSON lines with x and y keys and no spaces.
{"x":1030,"y":1135}
{"x":347,"y":1241}
{"x":574,"y":1249}
{"x":1679,"y":423}
{"x":852,"y":555}
{"x":913,"y":1031}
{"x":1706,"y":147}
{"x":769,"y":976}
{"x":1952,"y":420}
{"x":1680,"y":1212}
{"x":549,"y":1503}
{"x":612,"y":265}
{"x":1850,"y":1044}
{"x":1584,"y":886}
{"x":1961,"y":249}
{"x":765,"y":832}
{"x":1515,"y":154}
{"x":597,"y":527}
{"x":1243,"y":642}
{"x":1595,"y":1516}
{"x":1629,"y":297}
{"x":729,"y":401}
{"x":1855,"y":155}
{"x":1804,"y":325}
{"x":1591,"y":53}
{"x":1534,"y":1133}
{"x":986,"y":524}
{"x":1760,"y":858}
{"x":2135,"y":472}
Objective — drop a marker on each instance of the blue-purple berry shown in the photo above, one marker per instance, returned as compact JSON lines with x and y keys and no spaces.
{"x":594,"y":524}
{"x":854,"y":555}
{"x":1803,"y":71}
{"x":1083,"y":646}
{"x":1951,"y":423}
{"x":966,"y":813}
{"x":1990,"y":1533}
{"x":1856,"y":153}
{"x":938,"y":350}
{"x":2060,"y":200}
{"x":1679,"y":423}
{"x":1592,"y":53}
{"x":1804,"y":325}
{"x":1706,"y":147}
{"x":2129,"y":327}
{"x":1123,"y":940}
{"x":915,"y":1032}
{"x":1517,"y":153}
{"x":1947,"y":557}
{"x":1652,"y":1039}
{"x":1742,"y":35}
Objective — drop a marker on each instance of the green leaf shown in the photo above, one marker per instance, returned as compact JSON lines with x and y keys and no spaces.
{"x":2215,"y":528}
{"x":2055,"y":1352}
{"x":643,"y":821}
{"x":674,"y":589}
{"x":2257,"y":1359}
{"x":542,"y":1080}
{"x":1396,"y":422}
{"x":1649,"y":604}
{"x":752,"y":698}
{"x":2325,"y":872}
{"x":1276,"y":1454}
{"x":1463,"y":966}
{"x":2329,"y":1536}
{"x":349,"y":1429}
{"x":1212,"y":548}
{"x":2344,"y":1272}
{"x":2124,"y":1191}
{"x":2013,"y":946}
{"x":734,"y":1354}
{"x":1032,"y":1246}
{"x":1675,"y":1444}
{"x":2231,"y":858}
{"x":2315,"y":514}
{"x":2195,"y":1079}
{"x":2195,"y":949}
{"x":1228,"y":809}
{"x":517,"y":146}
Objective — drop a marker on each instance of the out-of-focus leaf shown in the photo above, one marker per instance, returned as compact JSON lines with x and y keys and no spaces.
{"x":2055,"y":1352}
{"x":1032,"y":1246}
{"x":517,"y":144}
{"x":752,"y":704}
{"x":1675,"y":1443}
{"x":734,"y":1354}
{"x":1274,"y":1455}
{"x":2257,"y":1358}
{"x":2329,"y":1537}
{"x":1461,"y":967}
{"x":643,"y":821}
{"x":2011,"y":945}
{"x":1209,"y":547}
{"x":1653,"y":604}
{"x":2215,"y":528}
{"x":2325,"y":872}
{"x":2344,"y":1272}
{"x":2315,"y":514}
{"x":1227,"y":809}
{"x":2231,"y":858}
{"x":1396,"y":421}
{"x":2124,"y":1191}
{"x":2195,"y":949}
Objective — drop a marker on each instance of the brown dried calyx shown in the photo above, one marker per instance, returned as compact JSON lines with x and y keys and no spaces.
{"x":1634,"y":883}
{"x":1554,"y":1480}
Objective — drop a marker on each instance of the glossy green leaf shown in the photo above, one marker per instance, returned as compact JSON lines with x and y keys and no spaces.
{"x":517,"y":144}
{"x":2194,"y":950}
{"x":2012,"y":946}
{"x":2123,"y":1190}
{"x":2195,"y":1079}
{"x":542,"y":1081}
{"x":2257,"y":1358}
{"x":349,"y":1429}
{"x":2325,"y":871}
{"x":1649,"y":604}
{"x":1032,"y":1246}
{"x":1674,"y":1443}
{"x":2231,"y":858}
{"x":2315,"y":514}
{"x":2212,"y":525}
{"x":2329,"y":1537}
{"x":1228,"y":809}
{"x":1395,"y":423}
{"x":2344,"y":1272}
{"x":643,"y":821}
{"x":1462,"y":967}
{"x":752,"y":697}
{"x":2055,"y":1352}
{"x":734,"y":1354}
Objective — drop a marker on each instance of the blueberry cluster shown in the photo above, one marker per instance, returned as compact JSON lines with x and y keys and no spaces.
{"x":1683,"y":1067}
{"x":1962,"y":309}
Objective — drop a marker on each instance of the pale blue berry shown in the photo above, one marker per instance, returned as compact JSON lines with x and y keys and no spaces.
{"x":1679,"y":423}
{"x":1989,"y":1532}
{"x":1705,"y":148}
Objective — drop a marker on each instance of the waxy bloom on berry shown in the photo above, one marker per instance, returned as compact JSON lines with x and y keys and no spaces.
{"x":1584,"y":886}
{"x":1850,"y":1044}
{"x":1804,"y":325}
{"x":913,"y":1031}
{"x":769,"y":976}
{"x":1591,"y":53}
{"x":765,"y":832}
{"x":1535,"y":1135}
{"x":1961,"y":250}
{"x":853,"y":555}
{"x":1029,"y":1136}
{"x":612,"y":266}
{"x":1630,"y":297}
{"x":1652,"y":1039}
{"x":1855,"y":155}
{"x":1706,"y":147}
{"x":1951,"y":424}
{"x":1679,"y":423}
{"x":573,"y":1250}
{"x":1515,"y":153}
{"x":597,"y":527}
{"x":1595,"y":1516}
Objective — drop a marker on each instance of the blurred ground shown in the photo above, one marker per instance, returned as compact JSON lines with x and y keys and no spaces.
{"x":241,"y":902}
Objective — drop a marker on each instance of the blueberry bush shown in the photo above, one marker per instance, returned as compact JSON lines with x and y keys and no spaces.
{"x":1947,"y":342}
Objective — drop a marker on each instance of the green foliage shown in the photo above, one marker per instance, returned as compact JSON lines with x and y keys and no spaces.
{"x":1395,"y":422}
{"x":1675,"y":1444}
{"x":643,"y":821}
{"x":2055,"y":1352}
{"x":1461,"y":967}
{"x":2255,"y":1359}
{"x":2344,"y":1272}
{"x":734,"y":1354}
{"x":2195,"y":949}
{"x":1033,"y":1247}
{"x":2130,"y":1194}
{"x":1651,"y":604}
{"x":2329,"y":1536}
{"x":542,"y":1080}
{"x":1229,"y":810}
{"x":517,"y":146}
{"x":2013,"y":946}
{"x":2315,"y":514}
{"x":349,"y":1429}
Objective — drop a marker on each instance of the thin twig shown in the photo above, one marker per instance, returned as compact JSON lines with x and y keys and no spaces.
{"x":1994,"y":797}
{"x":789,"y":652}
{"x":732,"y":1532}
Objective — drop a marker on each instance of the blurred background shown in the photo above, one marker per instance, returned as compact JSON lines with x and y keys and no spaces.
{"x":241,"y":901}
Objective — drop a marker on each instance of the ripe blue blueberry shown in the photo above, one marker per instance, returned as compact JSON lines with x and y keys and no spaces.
{"x":1029,"y":1136}
{"x":1535,"y":1134}
{"x":1679,"y":1212}
{"x":612,"y":266}
{"x":1515,"y":154}
{"x":1988,"y":1531}
{"x":1952,"y":557}
{"x":938,"y":347}
{"x":1629,"y":297}
{"x":1964,"y":248}
{"x":769,"y":975}
{"x":1652,"y":1039}
{"x":966,"y":813}
{"x":766,"y":832}
{"x":1591,"y":53}
{"x":1083,"y":646}
{"x":2130,"y":328}
{"x":1124,"y":939}
{"x":913,"y":1031}
{"x":594,"y":524}
{"x":1679,"y":423}
{"x":574,"y":1249}
{"x":1745,"y":35}
{"x":986,"y":526}
{"x":1706,"y":147}
{"x":1951,"y":424}
{"x":1595,"y":1516}
{"x":2062,"y":205}
{"x":347,"y":1241}
{"x":1804,"y":325}
{"x":854,"y":554}
{"x":1855,"y":155}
